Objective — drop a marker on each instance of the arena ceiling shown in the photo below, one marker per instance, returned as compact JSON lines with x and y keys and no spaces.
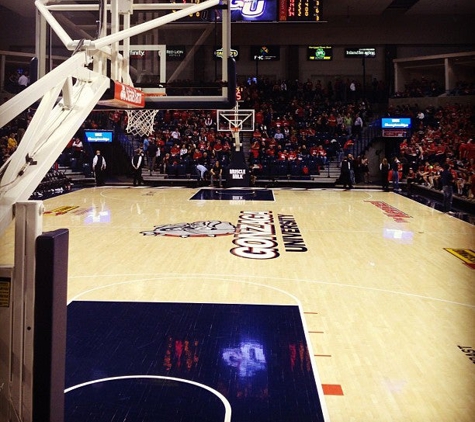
{"x":332,"y":8}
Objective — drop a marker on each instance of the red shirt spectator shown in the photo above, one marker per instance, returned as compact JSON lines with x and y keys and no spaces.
{"x":292,"y":156}
{"x":282,"y":155}
{"x":255,"y":148}
{"x":331,"y":121}
{"x":175,"y":151}
{"x":348,"y":144}
{"x":259,"y":118}
{"x":218,"y":146}
{"x":270,"y":152}
{"x":197,"y":154}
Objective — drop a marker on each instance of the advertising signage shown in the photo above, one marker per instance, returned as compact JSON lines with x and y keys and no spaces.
{"x":319,"y":53}
{"x":265,"y":52}
{"x":396,"y":123}
{"x":94,"y":135}
{"x":233,"y":52}
{"x":360,"y":52}
{"x":122,"y":96}
{"x":175,"y":52}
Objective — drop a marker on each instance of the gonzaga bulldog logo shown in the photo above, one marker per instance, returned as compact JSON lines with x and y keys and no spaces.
{"x":211,"y":228}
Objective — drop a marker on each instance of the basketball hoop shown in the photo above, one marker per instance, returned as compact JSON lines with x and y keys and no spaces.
{"x":236,"y":120}
{"x":140,"y":122}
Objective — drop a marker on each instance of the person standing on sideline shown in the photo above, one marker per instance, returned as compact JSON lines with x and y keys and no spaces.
{"x":351,"y":161}
{"x":385,"y":167}
{"x":137,"y":164}
{"x":345,"y":176}
{"x":145,"y":145}
{"x":152,"y":155}
{"x":364,"y":165}
{"x":395,"y":174}
{"x":447,"y":180}
{"x":99,"y":167}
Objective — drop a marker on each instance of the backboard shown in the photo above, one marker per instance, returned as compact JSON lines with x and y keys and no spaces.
{"x":242,"y":120}
{"x":174,"y":76}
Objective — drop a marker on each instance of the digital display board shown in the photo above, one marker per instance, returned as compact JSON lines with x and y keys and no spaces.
{"x":300,"y":10}
{"x":395,"y":127}
{"x":265,"y":52}
{"x":92,"y":135}
{"x":262,"y":11}
{"x":253,"y":10}
{"x":241,"y":11}
{"x":319,"y":53}
{"x":396,"y":123}
{"x":360,"y":52}
{"x":394,"y":133}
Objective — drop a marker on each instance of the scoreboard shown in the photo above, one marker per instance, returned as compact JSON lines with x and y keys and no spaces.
{"x":299,"y":10}
{"x":263,"y":11}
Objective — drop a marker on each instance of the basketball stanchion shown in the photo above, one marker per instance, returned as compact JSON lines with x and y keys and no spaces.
{"x":237,"y":121}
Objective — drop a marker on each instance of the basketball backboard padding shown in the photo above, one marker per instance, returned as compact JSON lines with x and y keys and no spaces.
{"x":120,"y":95}
{"x":236,"y":119}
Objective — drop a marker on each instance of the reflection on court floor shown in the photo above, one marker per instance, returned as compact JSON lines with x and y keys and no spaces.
{"x":234,"y":195}
{"x":256,"y":356}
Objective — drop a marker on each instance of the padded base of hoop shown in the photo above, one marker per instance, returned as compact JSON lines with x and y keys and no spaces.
{"x":238,"y":171}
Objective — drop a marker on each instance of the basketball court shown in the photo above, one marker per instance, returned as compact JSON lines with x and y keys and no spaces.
{"x":254,"y":304}
{"x":243,"y":305}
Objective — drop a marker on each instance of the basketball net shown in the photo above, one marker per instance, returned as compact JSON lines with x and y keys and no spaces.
{"x":140,"y":122}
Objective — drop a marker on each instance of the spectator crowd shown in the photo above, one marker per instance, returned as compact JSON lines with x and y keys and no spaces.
{"x":442,"y":135}
{"x":299,"y":127}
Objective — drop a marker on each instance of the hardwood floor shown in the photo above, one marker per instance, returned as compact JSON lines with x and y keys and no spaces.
{"x":387,"y":311}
